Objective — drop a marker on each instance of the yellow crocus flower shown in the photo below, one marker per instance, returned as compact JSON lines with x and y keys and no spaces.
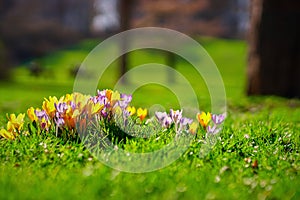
{"x":68,"y":98}
{"x":76,"y":113}
{"x":108,"y":94}
{"x":193,"y":127}
{"x":15,"y":123}
{"x":48,"y":106}
{"x":117,"y":110}
{"x":204,"y":119}
{"x":142,"y":113}
{"x":80,"y":101}
{"x":6,"y":134}
{"x":95,"y":108}
{"x":115,"y":96}
{"x":131,"y":110}
{"x":31,"y":114}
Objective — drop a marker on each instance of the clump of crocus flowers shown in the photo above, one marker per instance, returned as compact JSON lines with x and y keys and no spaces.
{"x":211,"y":123}
{"x":14,"y":126}
{"x":173,"y":118}
{"x":73,"y":112}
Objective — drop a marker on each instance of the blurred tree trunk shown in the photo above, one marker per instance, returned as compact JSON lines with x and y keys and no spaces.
{"x":125,"y":7}
{"x":274,"y":48}
{"x":4,"y":63}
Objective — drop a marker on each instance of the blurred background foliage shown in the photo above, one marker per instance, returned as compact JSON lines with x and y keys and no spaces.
{"x":43,"y":43}
{"x":33,"y":28}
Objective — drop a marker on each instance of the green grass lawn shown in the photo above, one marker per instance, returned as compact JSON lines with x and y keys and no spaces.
{"x":256,"y":157}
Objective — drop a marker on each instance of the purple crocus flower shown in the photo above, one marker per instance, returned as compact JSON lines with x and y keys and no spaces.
{"x":43,"y":118}
{"x":176,"y":115}
{"x":61,"y":107}
{"x":59,"y":121}
{"x":160,"y":115}
{"x":213,"y":130}
{"x":126,"y":113}
{"x":167,"y":121}
{"x":163,"y":118}
{"x":103,"y":113}
{"x":60,"y":111}
{"x":101,"y":93}
{"x":122,"y":104}
{"x":183,"y":122}
{"x":73,"y":105}
{"x":94,"y":99}
{"x":103,"y":101}
{"x":126,"y":98}
{"x":218,"y":119}
{"x":101,"y":98}
{"x":41,"y":114}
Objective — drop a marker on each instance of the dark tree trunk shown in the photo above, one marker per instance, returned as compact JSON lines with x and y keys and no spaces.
{"x":125,"y":7}
{"x":5,"y":65}
{"x":274,"y":48}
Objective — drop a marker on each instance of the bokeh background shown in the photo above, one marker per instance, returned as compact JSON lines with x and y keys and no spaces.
{"x":255,"y":44}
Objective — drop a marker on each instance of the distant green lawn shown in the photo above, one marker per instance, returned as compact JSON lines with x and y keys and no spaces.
{"x":26,"y":90}
{"x":265,"y":130}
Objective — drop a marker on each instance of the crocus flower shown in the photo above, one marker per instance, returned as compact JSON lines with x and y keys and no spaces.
{"x":161,"y":115}
{"x":204,"y":119}
{"x":164,"y":119}
{"x":104,"y":113}
{"x":108,"y":94}
{"x":213,"y":129}
{"x":115,"y":97}
{"x":31,"y":114}
{"x":15,"y":123}
{"x":43,"y":119}
{"x":93,"y":108}
{"x":14,"y":126}
{"x":101,"y":93}
{"x":49,"y":107}
{"x":73,"y":105}
{"x":142,"y":113}
{"x":122,"y":104}
{"x":61,"y":107}
{"x":41,"y":114}
{"x":80,"y":100}
{"x":118,"y":111}
{"x":104,"y":101}
{"x":126,"y":98}
{"x":68,"y":99}
{"x":167,"y":122}
{"x":193,"y":127}
{"x":131,"y":110}
{"x":69,"y":120}
{"x":6,"y":134}
{"x":184,"y":122}
{"x":45,"y":124}
{"x":59,"y":121}
{"x":176,"y":115}
{"x":218,"y":119}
